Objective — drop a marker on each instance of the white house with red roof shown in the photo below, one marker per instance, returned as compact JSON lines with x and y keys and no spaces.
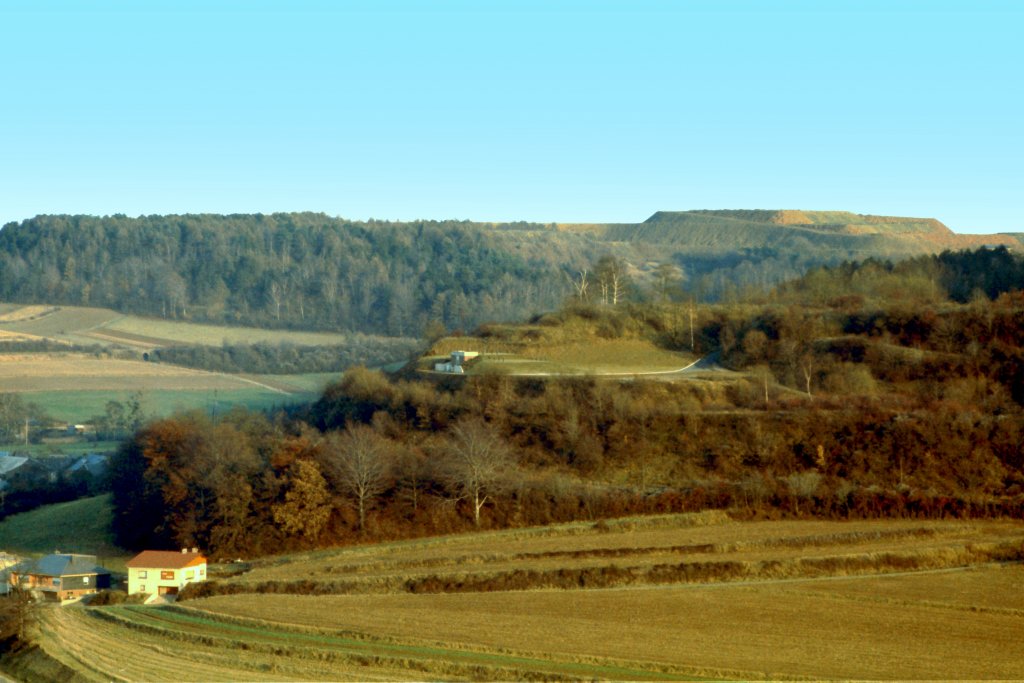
{"x":165,"y":572}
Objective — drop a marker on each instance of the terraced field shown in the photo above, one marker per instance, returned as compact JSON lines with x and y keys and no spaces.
{"x":670,"y":597}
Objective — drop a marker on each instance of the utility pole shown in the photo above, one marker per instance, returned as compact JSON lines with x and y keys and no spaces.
{"x":691,"y":325}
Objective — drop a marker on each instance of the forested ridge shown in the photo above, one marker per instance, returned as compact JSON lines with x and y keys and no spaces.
{"x":296,"y":270}
{"x":856,"y":407}
{"x":312,"y":271}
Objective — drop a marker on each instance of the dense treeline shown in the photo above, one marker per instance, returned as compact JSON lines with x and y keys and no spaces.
{"x":299,"y":270}
{"x":831,"y":412}
{"x":958,"y":276}
{"x":312,"y":271}
{"x":287,"y":358}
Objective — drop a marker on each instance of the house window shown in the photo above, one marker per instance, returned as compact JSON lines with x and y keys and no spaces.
{"x":85,"y":580}
{"x":167,"y":576}
{"x":143,"y":574}
{"x":189,"y":575}
{"x":142,"y":588}
{"x":202,"y":571}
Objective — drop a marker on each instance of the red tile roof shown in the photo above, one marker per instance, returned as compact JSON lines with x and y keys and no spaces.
{"x":165,"y":559}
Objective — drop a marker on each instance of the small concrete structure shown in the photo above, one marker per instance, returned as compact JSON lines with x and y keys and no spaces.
{"x":456,"y":361}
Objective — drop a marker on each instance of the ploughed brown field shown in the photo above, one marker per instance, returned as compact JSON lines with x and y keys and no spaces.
{"x":672,"y":597}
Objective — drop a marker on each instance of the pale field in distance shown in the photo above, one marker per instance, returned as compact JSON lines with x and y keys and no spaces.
{"x":215,"y":335}
{"x":19,"y":313}
{"x":52,"y":372}
{"x":103,"y":326}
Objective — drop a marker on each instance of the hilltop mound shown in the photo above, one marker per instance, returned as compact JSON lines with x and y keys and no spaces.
{"x":759,"y":227}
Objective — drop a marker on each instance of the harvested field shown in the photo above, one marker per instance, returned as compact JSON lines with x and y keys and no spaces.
{"x":647,"y":551}
{"x":868,"y":599}
{"x":812,"y":628}
{"x":6,"y":336}
{"x":173,"y":644}
{"x":54,"y":372}
{"x":89,"y":326}
{"x":59,"y":322}
{"x":171,"y":332}
{"x":21,"y":313}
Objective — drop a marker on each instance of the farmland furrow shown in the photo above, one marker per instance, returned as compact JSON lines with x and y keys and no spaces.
{"x":430,"y":659}
{"x":795,"y":543}
{"x":139,"y":656}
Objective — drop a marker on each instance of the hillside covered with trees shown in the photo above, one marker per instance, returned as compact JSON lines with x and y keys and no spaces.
{"x":312,"y":271}
{"x":855,"y":407}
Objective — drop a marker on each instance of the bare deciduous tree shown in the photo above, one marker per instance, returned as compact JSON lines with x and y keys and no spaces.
{"x":580,"y":285}
{"x":612,"y":278}
{"x":475,"y":463}
{"x":361,"y":464}
{"x":807,"y":368}
{"x":803,"y":485}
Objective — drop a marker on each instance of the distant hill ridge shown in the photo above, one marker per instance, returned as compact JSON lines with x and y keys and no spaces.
{"x":312,"y":271}
{"x":925,"y":233}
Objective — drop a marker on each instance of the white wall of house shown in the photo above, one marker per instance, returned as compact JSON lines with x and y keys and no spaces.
{"x":152,"y":579}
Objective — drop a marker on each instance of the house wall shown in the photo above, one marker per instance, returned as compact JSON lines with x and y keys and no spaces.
{"x":152,"y":579}
{"x":62,"y":587}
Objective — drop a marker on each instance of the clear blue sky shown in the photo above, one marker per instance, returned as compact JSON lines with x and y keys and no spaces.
{"x":493,"y":110}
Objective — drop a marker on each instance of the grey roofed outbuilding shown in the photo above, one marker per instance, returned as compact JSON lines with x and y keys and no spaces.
{"x":9,"y":463}
{"x":60,"y":564}
{"x":94,"y":463}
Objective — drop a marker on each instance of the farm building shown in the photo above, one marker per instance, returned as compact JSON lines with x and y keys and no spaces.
{"x":11,"y":463}
{"x":6,"y":562}
{"x":456,"y":362}
{"x":93,"y":464}
{"x":165,"y":572}
{"x":61,"y":576}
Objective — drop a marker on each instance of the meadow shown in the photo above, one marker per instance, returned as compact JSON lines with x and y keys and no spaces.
{"x":672,"y":597}
{"x":79,"y":526}
{"x":75,"y":405}
{"x":105,"y":327}
{"x":534,"y":350}
{"x":76,"y":386}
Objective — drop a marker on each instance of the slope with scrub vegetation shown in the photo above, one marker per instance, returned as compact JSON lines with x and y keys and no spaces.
{"x":850,"y":409}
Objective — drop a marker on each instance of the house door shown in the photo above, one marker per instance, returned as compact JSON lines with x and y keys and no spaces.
{"x":168,"y":590}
